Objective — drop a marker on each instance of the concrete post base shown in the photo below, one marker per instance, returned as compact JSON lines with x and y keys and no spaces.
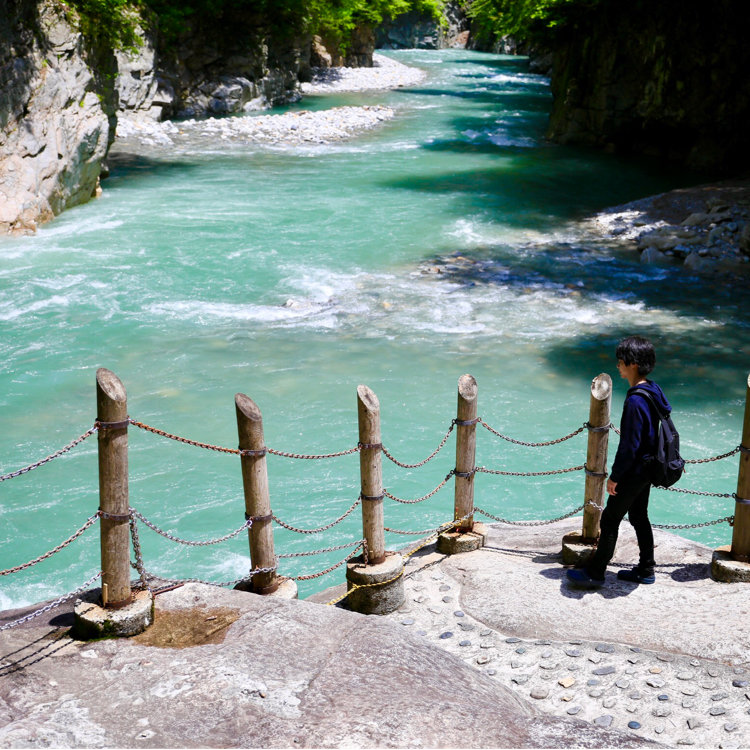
{"x":575,"y":549}
{"x":287,"y":589}
{"x":94,"y":621}
{"x":724,"y":568}
{"x":378,"y":599}
{"x":454,"y":542}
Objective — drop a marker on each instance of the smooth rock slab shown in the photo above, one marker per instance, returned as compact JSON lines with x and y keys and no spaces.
{"x":246,"y":691}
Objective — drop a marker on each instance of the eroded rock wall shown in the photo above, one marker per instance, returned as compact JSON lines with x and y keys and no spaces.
{"x":56,"y":114}
{"x":209,"y":70}
{"x":415,"y":30}
{"x":667,"y":78}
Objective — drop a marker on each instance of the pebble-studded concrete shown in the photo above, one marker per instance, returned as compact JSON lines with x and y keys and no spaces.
{"x":671,"y":698}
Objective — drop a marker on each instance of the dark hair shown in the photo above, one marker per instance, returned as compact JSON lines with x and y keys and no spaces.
{"x":639,"y":351}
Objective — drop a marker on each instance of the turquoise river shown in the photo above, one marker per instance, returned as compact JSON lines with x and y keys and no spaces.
{"x":445,"y":241}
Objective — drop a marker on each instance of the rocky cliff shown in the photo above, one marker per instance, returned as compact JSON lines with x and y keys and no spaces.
{"x":62,"y":93}
{"x":421,"y":31}
{"x":209,"y":71}
{"x":56,"y":113}
{"x":667,"y":78}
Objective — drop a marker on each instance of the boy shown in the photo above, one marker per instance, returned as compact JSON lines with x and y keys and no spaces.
{"x":628,"y":485}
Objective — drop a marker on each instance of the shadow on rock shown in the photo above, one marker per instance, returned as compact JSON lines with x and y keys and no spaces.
{"x":571,"y":591}
{"x":691,"y":572}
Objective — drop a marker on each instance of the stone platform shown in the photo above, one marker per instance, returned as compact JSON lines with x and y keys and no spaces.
{"x":492,"y":648}
{"x":669,"y":662}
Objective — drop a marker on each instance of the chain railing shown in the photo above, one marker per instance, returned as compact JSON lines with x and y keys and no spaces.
{"x":137,"y":516}
{"x":52,"y":605}
{"x":72,"y":444}
{"x":89,"y":523}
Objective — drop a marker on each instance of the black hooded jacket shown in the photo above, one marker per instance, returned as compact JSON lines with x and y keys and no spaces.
{"x":639,"y":428}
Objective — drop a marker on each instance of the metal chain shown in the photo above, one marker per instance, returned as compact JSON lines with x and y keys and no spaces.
{"x":533,"y":445}
{"x":283,"y":454}
{"x":422,"y":543}
{"x":728,"y":519}
{"x":713,"y":458}
{"x":179,"y":439}
{"x":139,"y":566}
{"x":415,"y":533}
{"x":309,"y":577}
{"x":251,"y":573}
{"x":90,"y":522}
{"x":528,"y":523}
{"x":483,"y":470}
{"x":51,"y":605}
{"x":424,"y":497}
{"x":56,"y":454}
{"x":207,"y":543}
{"x":429,"y":458}
{"x":321,"y":551}
{"x":432,"y":532}
{"x":322,"y":528}
{"x":236,"y":451}
{"x":696,"y":492}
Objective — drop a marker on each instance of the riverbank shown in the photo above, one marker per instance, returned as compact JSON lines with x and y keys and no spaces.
{"x":704,"y":229}
{"x":496,"y":634}
{"x":291,"y":128}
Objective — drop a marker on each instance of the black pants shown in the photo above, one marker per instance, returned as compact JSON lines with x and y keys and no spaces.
{"x":631,"y":499}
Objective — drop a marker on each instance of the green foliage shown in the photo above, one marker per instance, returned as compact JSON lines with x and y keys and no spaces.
{"x":523,"y":19}
{"x":112,"y":21}
{"x":115,"y":20}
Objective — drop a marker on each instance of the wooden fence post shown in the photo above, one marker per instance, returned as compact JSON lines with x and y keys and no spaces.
{"x":577,"y":547}
{"x":112,"y":413}
{"x":741,"y":529}
{"x":371,"y":473}
{"x":732,"y":563}
{"x":257,"y":500}
{"x":468,"y":535}
{"x":375,"y":587}
{"x":115,"y":610}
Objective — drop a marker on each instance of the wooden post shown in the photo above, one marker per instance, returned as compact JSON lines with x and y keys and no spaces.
{"x":378,"y":586}
{"x":371,"y":473}
{"x":466,"y":444}
{"x":577,"y":547}
{"x":257,"y":499}
{"x":112,"y":413}
{"x":741,"y":531}
{"x":596,"y":456}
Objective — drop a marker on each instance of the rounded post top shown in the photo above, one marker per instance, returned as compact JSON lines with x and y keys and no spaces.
{"x":467,"y":387}
{"x":367,"y":398}
{"x":601,"y":387}
{"x":247,"y":407}
{"x":748,"y":381}
{"x":110,"y":385}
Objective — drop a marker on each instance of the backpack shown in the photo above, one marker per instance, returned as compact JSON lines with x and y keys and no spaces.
{"x":667,"y":466}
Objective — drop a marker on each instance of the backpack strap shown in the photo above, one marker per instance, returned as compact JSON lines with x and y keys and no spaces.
{"x":649,"y":397}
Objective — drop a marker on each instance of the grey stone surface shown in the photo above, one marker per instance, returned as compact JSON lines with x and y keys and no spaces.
{"x":645,"y":642}
{"x":278,"y":674}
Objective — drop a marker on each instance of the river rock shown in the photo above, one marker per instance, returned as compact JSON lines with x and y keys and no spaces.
{"x":655,"y":257}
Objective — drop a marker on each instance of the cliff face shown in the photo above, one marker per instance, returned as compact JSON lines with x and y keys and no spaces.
{"x":209,"y":70}
{"x":667,"y":78}
{"x":62,"y":94}
{"x":421,"y":31}
{"x":56,"y":114}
